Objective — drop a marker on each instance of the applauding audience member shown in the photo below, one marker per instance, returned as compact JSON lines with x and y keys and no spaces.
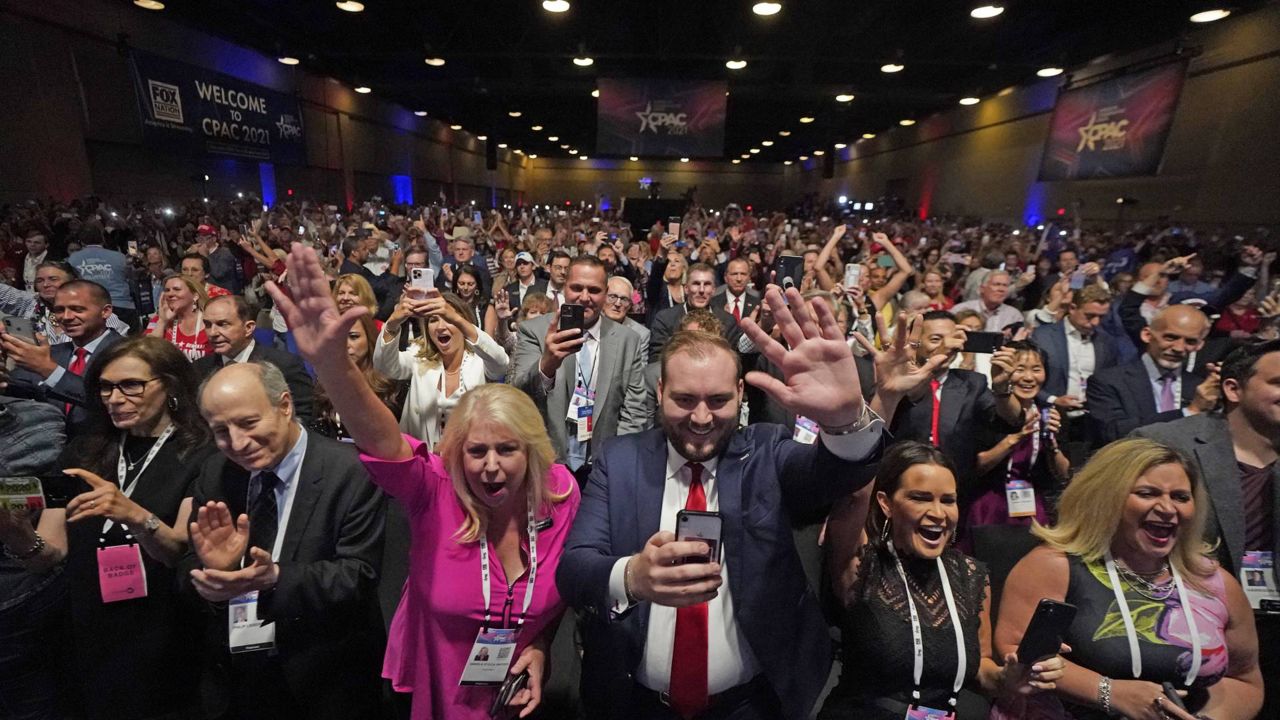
{"x":36,"y":302}
{"x":392,"y":393}
{"x":180,"y":318}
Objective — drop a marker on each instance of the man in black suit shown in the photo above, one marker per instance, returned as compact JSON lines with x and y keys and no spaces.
{"x":228,"y":321}
{"x":526,"y":282}
{"x":1073,"y":351}
{"x":697,"y":294}
{"x":289,"y":525}
{"x":1157,"y":387}
{"x":464,"y":253}
{"x":55,"y":373}
{"x":737,"y":298}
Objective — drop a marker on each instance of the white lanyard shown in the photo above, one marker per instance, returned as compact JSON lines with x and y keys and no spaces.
{"x":127,"y":487}
{"x":177,"y":327}
{"x":528,"y":588}
{"x":1184,"y":600}
{"x":918,"y":636}
{"x":584,"y":381}
{"x":1035,"y":455}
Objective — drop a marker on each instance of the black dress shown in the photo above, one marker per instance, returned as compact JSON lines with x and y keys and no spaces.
{"x":876,"y":676}
{"x":134,"y":658}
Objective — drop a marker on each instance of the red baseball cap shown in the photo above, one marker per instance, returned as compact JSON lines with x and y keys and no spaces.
{"x":206,"y":230}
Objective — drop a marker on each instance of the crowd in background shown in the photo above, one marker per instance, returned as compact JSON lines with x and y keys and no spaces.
{"x":1055,"y":410}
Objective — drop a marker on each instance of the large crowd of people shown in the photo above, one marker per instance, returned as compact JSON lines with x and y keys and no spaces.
{"x":734,"y":464}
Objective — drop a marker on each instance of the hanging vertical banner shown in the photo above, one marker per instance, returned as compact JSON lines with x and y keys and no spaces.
{"x":193,"y":111}
{"x":1113,"y":128}
{"x":673,"y":118}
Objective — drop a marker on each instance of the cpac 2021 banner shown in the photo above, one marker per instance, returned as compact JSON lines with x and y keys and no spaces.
{"x":192,"y":111}
{"x":673,"y":118}
{"x":1114,"y":128}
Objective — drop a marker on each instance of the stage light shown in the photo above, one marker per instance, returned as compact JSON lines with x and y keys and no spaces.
{"x":819,"y":153}
{"x":841,"y":146}
{"x":536,"y":128}
{"x":482,"y":138}
{"x":806,"y":120}
{"x":1047,"y":72}
{"x":564,"y":147}
{"x":240,"y":195}
{"x":555,"y":6}
{"x":420,"y":113}
{"x":533,"y":156}
{"x":434,"y":61}
{"x":584,"y":61}
{"x":754,"y":151}
{"x":746,"y":155}
{"x":735,"y":64}
{"x":986,"y":12}
{"x":288,"y":60}
{"x":969,"y":101}
{"x":1209,"y":16}
{"x":149,"y":4}
{"x":892,"y":68}
{"x":786,"y":162}
{"x":844,"y":98}
{"x":350,"y":6}
{"x":595,"y":93}
{"x":783,"y":133}
{"x":583,"y":157}
{"x":766,"y":8}
{"x":767,"y":143}
{"x":363,"y":90}
{"x":906,"y":122}
{"x":168,"y":211}
{"x":843,"y":199}
{"x":573,"y":151}
{"x":868,"y":136}
{"x":803,"y":158}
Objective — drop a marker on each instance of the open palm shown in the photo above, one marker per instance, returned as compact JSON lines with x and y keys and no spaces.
{"x":313,"y":317}
{"x":219,"y":542}
{"x":897,"y":372}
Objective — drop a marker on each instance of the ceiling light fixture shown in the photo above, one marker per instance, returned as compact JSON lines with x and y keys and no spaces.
{"x":555,"y":6}
{"x":806,"y":120}
{"x":986,"y":12}
{"x":482,"y":137}
{"x":564,"y":147}
{"x":502,"y":146}
{"x":420,"y":113}
{"x":434,"y":61}
{"x":737,"y":161}
{"x":766,"y":8}
{"x":735,"y":64}
{"x":455,"y":127}
{"x":684,"y":159}
{"x":745,"y":155}
{"x":892,"y":67}
{"x":533,"y":156}
{"x":868,"y":136}
{"x":840,"y":146}
{"x":350,"y":6}
{"x":819,"y":153}
{"x":767,"y":143}
{"x":583,"y":157}
{"x":844,"y":97}
{"x":515,"y":113}
{"x":633,"y":158}
{"x":536,"y":128}
{"x":595,"y":93}
{"x":1208,"y":16}
{"x":1051,"y":71}
{"x":584,"y":61}
{"x":969,"y":100}
{"x":754,"y":151}
{"x":906,"y":122}
{"x":783,"y":133}
{"x":803,"y":158}
{"x":553,"y":138}
{"x":786,"y":162}
{"x":149,"y":4}
{"x":573,"y":151}
{"x":288,"y":60}
{"x":364,"y":90}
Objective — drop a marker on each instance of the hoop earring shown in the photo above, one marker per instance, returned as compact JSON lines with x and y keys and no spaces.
{"x":172,"y":404}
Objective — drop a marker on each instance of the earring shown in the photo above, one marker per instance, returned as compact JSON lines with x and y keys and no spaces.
{"x":884,"y":531}
{"x":172,"y":404}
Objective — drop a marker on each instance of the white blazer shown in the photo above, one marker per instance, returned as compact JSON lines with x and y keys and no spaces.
{"x":482,"y":361}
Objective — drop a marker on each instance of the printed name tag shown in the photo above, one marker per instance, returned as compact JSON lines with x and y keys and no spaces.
{"x":1258,"y":577}
{"x":490,"y":658}
{"x":806,"y":430}
{"x":1021,"y":498}
{"x":121,"y":574}
{"x":245,"y":632}
{"x":920,"y":712}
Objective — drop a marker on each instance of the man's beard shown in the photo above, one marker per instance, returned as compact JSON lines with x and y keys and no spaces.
{"x":697,"y":448}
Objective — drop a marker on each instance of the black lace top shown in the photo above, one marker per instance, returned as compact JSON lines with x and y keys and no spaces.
{"x":877,"y":646}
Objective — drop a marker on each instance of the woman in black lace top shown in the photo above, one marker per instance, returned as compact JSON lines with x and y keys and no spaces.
{"x":900,"y":561}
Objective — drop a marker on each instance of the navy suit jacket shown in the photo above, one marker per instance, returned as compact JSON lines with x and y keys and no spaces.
{"x":967,"y":406}
{"x":301,"y":386}
{"x":69,"y":388}
{"x":1052,"y":341}
{"x":763,"y":480}
{"x":1121,"y":400}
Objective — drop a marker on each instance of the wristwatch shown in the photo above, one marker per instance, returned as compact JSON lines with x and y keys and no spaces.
{"x":151,"y":524}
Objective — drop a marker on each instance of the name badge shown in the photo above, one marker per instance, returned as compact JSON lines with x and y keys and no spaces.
{"x":490,"y":658}
{"x":1021,"y":498}
{"x":744,"y":414}
{"x":245,"y":632}
{"x":806,"y":431}
{"x":920,"y":712}
{"x":1258,"y":578}
{"x":121,"y":573}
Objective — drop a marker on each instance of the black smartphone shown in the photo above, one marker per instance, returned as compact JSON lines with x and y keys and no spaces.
{"x":1171,"y":694}
{"x":983,"y":342}
{"x":512,"y":685}
{"x":788,"y":271}
{"x":700,"y":525}
{"x":571,"y":316}
{"x":1043,"y":637}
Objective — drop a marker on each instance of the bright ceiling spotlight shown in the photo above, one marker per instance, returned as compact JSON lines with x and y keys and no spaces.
{"x":906,"y":122}
{"x":455,"y":127}
{"x":555,"y":6}
{"x":536,"y":128}
{"x":434,"y":61}
{"x":1208,"y":16}
{"x":806,"y":120}
{"x":986,"y":12}
{"x":783,"y":133}
{"x":364,"y":90}
{"x":735,"y":64}
{"x":595,"y":93}
{"x":1051,"y":71}
{"x":350,"y":6}
{"x":844,"y":97}
{"x":767,"y":143}
{"x":515,"y":113}
{"x":288,"y":60}
{"x":420,"y":113}
{"x":584,"y":61}
{"x":149,"y":4}
{"x":892,"y":68}
{"x":840,"y":146}
{"x":969,"y":101}
{"x":868,"y":136}
{"x":684,"y":159}
{"x":766,"y":8}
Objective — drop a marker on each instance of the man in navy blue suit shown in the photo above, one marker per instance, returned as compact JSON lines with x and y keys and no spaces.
{"x":740,"y":636}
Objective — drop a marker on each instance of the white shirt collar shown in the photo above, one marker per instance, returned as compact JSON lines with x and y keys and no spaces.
{"x":243,"y":355}
{"x":1073,"y":331}
{"x":676,"y":462}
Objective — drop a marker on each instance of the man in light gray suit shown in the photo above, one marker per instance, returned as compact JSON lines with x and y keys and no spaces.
{"x":617,"y":307}
{"x":1237,"y":452}
{"x":599,"y":375}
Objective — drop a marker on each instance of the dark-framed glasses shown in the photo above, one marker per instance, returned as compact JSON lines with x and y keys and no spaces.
{"x":127,"y":388}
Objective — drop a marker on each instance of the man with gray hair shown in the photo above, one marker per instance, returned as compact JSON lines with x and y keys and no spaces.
{"x":286,"y":543}
{"x":617,"y":307}
{"x":990,"y":303}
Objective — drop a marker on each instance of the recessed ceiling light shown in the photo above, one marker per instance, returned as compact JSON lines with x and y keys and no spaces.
{"x":891,"y":68}
{"x":149,"y":4}
{"x":804,"y":157}
{"x":583,"y":157}
{"x":518,"y":151}
{"x":364,"y":90}
{"x":502,"y":146}
{"x":1050,"y":71}
{"x":555,"y":6}
{"x":350,"y":6}
{"x":595,"y":93}
{"x":420,"y":113}
{"x":515,"y":113}
{"x":819,"y":153}
{"x":584,"y":61}
{"x":482,"y":137}
{"x":533,"y":156}
{"x":969,"y":101}
{"x":840,"y":146}
{"x":735,"y":64}
{"x":754,"y":151}
{"x":844,"y":97}
{"x":737,"y":161}
{"x":783,"y":133}
{"x":985,"y":12}
{"x":906,"y":122}
{"x":766,"y":8}
{"x":786,"y":162}
{"x":553,"y":138}
{"x":455,"y":127}
{"x":564,"y":147}
{"x":684,"y":159}
{"x":288,"y":60}
{"x":868,"y":136}
{"x":806,"y":120}
{"x":1209,"y":16}
{"x":633,"y":158}
{"x":434,"y":61}
{"x":746,"y":155}
{"x":573,"y":151}
{"x":536,"y":128}
{"x":767,"y":143}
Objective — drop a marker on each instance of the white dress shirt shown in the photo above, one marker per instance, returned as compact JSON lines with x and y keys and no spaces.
{"x":241,"y":357}
{"x":29,"y":265}
{"x":288,"y":471}
{"x":1081,"y":360}
{"x":731,"y":300}
{"x":91,"y":347}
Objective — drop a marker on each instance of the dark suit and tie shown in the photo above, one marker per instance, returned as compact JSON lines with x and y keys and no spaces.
{"x":1052,"y":341}
{"x":301,"y":386}
{"x":667,"y":322}
{"x":516,"y":292}
{"x":951,"y":417}
{"x":64,"y":389}
{"x":1124,"y":398}
{"x":736,"y":307}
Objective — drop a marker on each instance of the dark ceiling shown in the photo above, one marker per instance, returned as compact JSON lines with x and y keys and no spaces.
{"x":511,"y":55}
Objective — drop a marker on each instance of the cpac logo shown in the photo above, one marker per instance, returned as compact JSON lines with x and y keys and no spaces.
{"x":289,"y":127}
{"x":166,"y":101}
{"x":1110,"y":133}
{"x":674,"y":122}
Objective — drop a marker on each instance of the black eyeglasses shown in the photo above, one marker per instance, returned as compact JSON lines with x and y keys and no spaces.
{"x":127,"y":388}
{"x":617,"y":299}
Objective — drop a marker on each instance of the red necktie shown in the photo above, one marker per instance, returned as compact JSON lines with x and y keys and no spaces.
{"x":77,"y":368}
{"x":933,"y":425}
{"x":688,"y":688}
{"x":737,"y":314}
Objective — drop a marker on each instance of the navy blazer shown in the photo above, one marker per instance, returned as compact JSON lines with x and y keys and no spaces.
{"x":763,"y":479}
{"x":967,"y":406}
{"x":1121,"y":400}
{"x":1052,"y":341}
{"x":667,"y":322}
{"x":69,"y":388}
{"x":301,"y":386}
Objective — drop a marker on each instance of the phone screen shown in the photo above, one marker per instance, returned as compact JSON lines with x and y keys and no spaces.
{"x":701,"y":526}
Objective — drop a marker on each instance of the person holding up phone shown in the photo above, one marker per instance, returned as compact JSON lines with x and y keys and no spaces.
{"x":1153,"y":605}
{"x":901,"y":585}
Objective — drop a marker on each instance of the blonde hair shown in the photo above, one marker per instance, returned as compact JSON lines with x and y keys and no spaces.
{"x":196,"y":289}
{"x":515,"y":411}
{"x":427,"y":350}
{"x":1090,"y":509}
{"x":362,"y":288}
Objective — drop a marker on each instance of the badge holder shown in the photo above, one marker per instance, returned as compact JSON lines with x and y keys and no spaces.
{"x":1021,"y":498}
{"x":489,"y":659}
{"x":1258,"y":578}
{"x":916,"y":711}
{"x":121,"y":572}
{"x":806,"y":430}
{"x":581,"y":412}
{"x":245,"y":632}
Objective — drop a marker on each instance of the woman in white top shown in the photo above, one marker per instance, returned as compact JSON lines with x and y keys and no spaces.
{"x":453,"y":357}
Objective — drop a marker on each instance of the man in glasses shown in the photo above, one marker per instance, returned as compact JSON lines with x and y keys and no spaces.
{"x":617,"y":307}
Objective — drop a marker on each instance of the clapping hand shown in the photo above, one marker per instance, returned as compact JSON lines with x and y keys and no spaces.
{"x":313,"y":317}
{"x":219,"y":542}
{"x":104,"y":499}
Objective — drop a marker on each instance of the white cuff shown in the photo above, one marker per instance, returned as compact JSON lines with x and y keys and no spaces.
{"x":856,"y":446}
{"x":618,"y":602}
{"x":54,"y":376}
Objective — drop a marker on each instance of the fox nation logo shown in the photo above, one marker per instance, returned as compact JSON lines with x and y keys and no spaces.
{"x":166,"y":101}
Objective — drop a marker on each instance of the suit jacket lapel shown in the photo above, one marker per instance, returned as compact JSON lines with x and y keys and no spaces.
{"x":1217,"y":459}
{"x":953,"y":401}
{"x":650,"y":485}
{"x":1140,"y":384}
{"x":730,"y":497}
{"x":304,"y":500}
{"x":604,"y":358}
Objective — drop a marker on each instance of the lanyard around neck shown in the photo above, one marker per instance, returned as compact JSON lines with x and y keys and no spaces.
{"x":126,"y":486}
{"x":529,"y":586}
{"x":917,"y":635}
{"x":1184,"y":600}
